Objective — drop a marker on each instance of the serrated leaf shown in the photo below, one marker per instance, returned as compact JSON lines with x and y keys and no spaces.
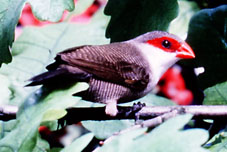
{"x":79,"y":144}
{"x":216,"y":95}
{"x":81,"y":6}
{"x":32,"y":113}
{"x":32,"y":51}
{"x":50,"y":10}
{"x":207,"y":36}
{"x":9,"y":15}
{"x":104,"y":129}
{"x":168,"y":137}
{"x":122,"y":142}
{"x":130,"y":18}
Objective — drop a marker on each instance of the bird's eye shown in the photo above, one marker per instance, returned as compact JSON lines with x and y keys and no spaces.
{"x":166,"y":44}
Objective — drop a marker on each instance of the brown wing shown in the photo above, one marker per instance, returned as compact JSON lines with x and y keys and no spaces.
{"x":121,"y":64}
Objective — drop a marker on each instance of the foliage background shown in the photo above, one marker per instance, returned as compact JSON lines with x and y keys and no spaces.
{"x":204,"y":29}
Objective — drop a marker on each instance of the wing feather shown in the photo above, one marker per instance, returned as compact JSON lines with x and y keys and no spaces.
{"x":113,"y":63}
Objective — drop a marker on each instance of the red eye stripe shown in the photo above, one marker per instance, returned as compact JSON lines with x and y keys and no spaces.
{"x":165,"y":43}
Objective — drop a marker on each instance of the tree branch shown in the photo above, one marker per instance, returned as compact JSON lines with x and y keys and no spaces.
{"x":147,"y":123}
{"x":163,"y":113}
{"x":202,"y":111}
{"x":8,"y":112}
{"x":75,"y":115}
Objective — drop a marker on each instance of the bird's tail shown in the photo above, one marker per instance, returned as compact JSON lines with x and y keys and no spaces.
{"x":46,"y":77}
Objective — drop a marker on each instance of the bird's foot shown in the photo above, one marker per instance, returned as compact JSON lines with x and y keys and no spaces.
{"x":132,"y":112}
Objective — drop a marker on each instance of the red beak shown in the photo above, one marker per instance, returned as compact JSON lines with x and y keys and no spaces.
{"x":185,"y":51}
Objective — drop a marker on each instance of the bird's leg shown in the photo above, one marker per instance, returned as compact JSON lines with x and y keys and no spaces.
{"x":111,"y":107}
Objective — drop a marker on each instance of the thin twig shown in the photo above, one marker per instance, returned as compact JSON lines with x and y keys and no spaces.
{"x":159,"y":119}
{"x":147,"y":123}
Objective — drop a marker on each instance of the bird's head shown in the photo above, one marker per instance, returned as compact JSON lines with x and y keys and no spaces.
{"x":167,"y":42}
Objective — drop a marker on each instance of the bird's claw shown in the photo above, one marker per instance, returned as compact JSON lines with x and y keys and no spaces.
{"x":136,"y":108}
{"x":132,"y":112}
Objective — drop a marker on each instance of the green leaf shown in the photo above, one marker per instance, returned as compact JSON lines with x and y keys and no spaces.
{"x":32,"y":51}
{"x":49,"y":10}
{"x":216,"y":95}
{"x":218,"y":143}
{"x":130,"y":18}
{"x":4,"y":90}
{"x":32,"y":113}
{"x":122,"y":142}
{"x":155,"y":100}
{"x":179,"y":25}
{"x":151,"y":100}
{"x":55,"y":150}
{"x":79,"y":144}
{"x":9,"y":15}
{"x":82,"y":6}
{"x":104,"y":129}
{"x":41,"y":145}
{"x":6,"y":127}
{"x":169,"y":136}
{"x":37,"y":47}
{"x":54,"y":114}
{"x":208,"y":37}
{"x":166,"y":137}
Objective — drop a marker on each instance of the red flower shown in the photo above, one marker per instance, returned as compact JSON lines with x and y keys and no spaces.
{"x":172,"y":85}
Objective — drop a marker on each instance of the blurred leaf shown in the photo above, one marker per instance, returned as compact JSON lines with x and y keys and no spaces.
{"x":41,"y":145}
{"x":84,"y":103}
{"x":9,"y":14}
{"x":121,"y":143}
{"x":166,"y":137}
{"x":36,"y":106}
{"x":54,"y":114}
{"x":216,"y":95}
{"x":155,"y":100}
{"x":218,"y":143}
{"x":169,"y":137}
{"x":151,"y":100}
{"x":55,"y":150}
{"x":4,"y":90}
{"x":49,"y":10}
{"x":208,"y":37}
{"x":37,"y":47}
{"x":130,"y":18}
{"x":179,"y":25}
{"x":104,"y":129}
{"x":81,"y":6}
{"x":33,"y":50}
{"x":79,"y":144}
{"x":6,"y":127}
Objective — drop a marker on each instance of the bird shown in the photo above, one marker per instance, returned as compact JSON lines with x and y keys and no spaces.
{"x":118,"y":72}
